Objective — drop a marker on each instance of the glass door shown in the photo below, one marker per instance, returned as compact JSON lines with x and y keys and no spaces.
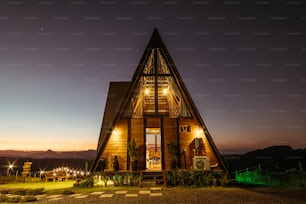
{"x":153,"y":149}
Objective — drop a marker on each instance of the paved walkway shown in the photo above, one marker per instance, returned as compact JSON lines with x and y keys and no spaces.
{"x":100,"y":195}
{"x":178,"y":196}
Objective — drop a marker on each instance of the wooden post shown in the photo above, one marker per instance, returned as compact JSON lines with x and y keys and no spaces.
{"x":162,"y":142}
{"x":178,"y":142}
{"x":128,"y":159}
{"x":144,"y":142}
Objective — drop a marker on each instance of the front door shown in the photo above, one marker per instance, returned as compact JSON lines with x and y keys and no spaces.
{"x":153,"y":149}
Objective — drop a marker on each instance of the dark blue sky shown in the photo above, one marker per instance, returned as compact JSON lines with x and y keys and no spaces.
{"x":244,"y":64}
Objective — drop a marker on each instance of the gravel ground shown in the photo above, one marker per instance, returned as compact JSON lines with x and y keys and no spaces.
{"x":190,"y":196}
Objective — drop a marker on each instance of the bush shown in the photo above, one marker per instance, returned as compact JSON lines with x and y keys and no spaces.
{"x":133,"y":180}
{"x":222,"y":180}
{"x":68,"y":192}
{"x":29,"y":199}
{"x":4,"y":191}
{"x":3,"y":198}
{"x":37,"y":191}
{"x":197,"y":178}
{"x":14,"y":199}
{"x":85,"y":183}
{"x":17,"y":191}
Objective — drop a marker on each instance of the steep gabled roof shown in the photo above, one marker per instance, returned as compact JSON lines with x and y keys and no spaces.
{"x":116,"y":93}
{"x":155,"y":42}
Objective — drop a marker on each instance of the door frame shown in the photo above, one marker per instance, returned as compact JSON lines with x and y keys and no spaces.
{"x":158,"y":140}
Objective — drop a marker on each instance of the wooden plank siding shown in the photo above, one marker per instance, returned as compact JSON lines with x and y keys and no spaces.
{"x":186,"y":139}
{"x":117,"y":144}
{"x":169,"y":136}
{"x":187,"y":142}
{"x":137,"y":133}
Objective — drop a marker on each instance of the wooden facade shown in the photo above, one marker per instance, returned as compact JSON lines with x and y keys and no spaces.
{"x":156,"y":110}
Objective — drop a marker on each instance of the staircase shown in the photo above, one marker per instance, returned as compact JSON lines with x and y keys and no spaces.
{"x":152,"y":178}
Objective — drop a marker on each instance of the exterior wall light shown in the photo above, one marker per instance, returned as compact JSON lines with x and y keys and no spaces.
{"x":115,"y":132}
{"x":198,"y":133}
{"x":165,"y":91}
{"x":146,"y":91}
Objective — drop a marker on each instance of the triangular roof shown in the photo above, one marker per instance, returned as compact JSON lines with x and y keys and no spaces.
{"x":116,"y":93}
{"x":124,"y":98}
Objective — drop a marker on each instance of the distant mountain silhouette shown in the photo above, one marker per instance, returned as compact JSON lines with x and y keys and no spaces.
{"x":89,"y":154}
{"x":278,"y":158}
{"x":271,"y":151}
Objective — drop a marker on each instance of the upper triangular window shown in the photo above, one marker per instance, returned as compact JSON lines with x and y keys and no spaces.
{"x":157,"y":93}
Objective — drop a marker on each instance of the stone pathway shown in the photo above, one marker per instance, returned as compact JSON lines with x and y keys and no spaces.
{"x":153,"y":192}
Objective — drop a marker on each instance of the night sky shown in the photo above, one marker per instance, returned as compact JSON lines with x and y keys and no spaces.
{"x":243,"y":62}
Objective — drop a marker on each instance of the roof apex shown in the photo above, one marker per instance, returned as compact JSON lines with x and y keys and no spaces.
{"x":155,"y":41}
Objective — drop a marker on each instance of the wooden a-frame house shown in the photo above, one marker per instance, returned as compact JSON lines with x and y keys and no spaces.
{"x":156,"y":111}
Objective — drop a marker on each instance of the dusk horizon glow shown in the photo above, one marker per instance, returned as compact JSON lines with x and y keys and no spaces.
{"x":243,"y":64}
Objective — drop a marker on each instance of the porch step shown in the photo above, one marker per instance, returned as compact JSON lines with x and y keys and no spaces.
{"x":151,"y":178}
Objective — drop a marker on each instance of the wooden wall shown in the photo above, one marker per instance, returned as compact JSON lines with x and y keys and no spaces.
{"x":137,"y":132}
{"x":117,"y":144}
{"x":169,"y":136}
{"x":187,"y":139}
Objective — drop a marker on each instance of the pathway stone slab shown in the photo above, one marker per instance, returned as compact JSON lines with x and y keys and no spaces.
{"x":55,"y":199}
{"x":121,"y":192}
{"x":156,"y":189}
{"x":106,"y":195}
{"x":144,"y":192}
{"x":39,"y":197}
{"x":131,"y":195}
{"x":97,"y":193}
{"x":54,"y":196}
{"x":81,"y":196}
{"x":75,"y":195}
{"x":155,"y":194}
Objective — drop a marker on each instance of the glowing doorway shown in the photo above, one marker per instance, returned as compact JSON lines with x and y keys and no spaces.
{"x":153,"y":149}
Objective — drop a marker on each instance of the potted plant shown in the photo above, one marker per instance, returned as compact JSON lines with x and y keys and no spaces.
{"x":103,"y":163}
{"x":132,"y":151}
{"x":173,"y":155}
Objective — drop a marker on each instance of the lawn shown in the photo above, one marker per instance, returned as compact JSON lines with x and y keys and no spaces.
{"x":60,"y":187}
{"x":46,"y":185}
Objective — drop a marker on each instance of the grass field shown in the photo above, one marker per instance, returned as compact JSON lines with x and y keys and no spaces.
{"x":45,"y":185}
{"x":59,"y":187}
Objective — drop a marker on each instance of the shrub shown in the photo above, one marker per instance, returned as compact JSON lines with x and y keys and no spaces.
{"x":3,"y":198}
{"x":68,"y":192}
{"x":14,"y":199}
{"x":29,"y":199}
{"x":37,"y":191}
{"x":19,"y":191}
{"x":85,"y":183}
{"x":197,"y":178}
{"x":222,"y":179}
{"x":133,"y":180}
{"x":4,"y":191}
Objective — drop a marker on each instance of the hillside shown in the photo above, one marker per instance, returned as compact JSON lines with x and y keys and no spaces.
{"x":89,"y":154}
{"x":279,"y":158}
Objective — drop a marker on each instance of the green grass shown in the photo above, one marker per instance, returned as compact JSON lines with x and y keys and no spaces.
{"x":46,"y":185}
{"x":60,"y":187}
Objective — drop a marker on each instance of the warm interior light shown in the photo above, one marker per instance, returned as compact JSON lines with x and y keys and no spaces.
{"x":198,"y":133}
{"x":165,"y":91}
{"x":146,"y":91}
{"x":115,"y":132}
